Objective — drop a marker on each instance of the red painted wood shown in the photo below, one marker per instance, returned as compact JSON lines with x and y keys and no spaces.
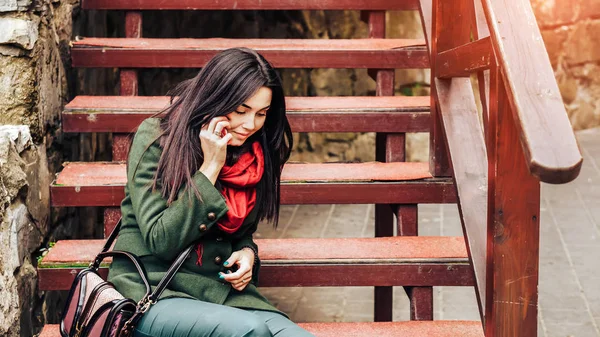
{"x":513,"y":227}
{"x":306,"y":114}
{"x":128,"y":82}
{"x":153,"y":104}
{"x":438,"y":158}
{"x":464,"y":60}
{"x":111,"y":217}
{"x":421,"y":303}
{"x":251,"y":4}
{"x":546,"y":134}
{"x":298,"y":53}
{"x":468,"y":153}
{"x":120,"y":146}
{"x":407,"y":216}
{"x":109,"y":173}
{"x":313,"y":262}
{"x":319,"y":275}
{"x":370,"y":329}
{"x":376,"y":22}
{"x":102,"y":184}
{"x":128,"y":77}
{"x":427,"y":191}
{"x":384,"y":80}
{"x":306,"y":250}
{"x":133,"y":24}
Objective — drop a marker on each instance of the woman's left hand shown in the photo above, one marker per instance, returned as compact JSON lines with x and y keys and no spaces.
{"x":244,"y":259}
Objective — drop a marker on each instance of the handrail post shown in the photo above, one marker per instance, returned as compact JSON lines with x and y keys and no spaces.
{"x":439,"y":164}
{"x":513,"y":225}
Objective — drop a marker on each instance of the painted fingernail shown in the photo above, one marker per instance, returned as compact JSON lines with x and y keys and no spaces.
{"x":221,"y":276}
{"x":226,"y":263}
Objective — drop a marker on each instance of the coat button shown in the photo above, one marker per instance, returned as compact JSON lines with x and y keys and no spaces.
{"x":219,"y":238}
{"x":218,"y":260}
{"x":202,"y":228}
{"x":212,"y":216}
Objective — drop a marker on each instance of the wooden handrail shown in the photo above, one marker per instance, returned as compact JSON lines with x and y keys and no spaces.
{"x":546,"y":135}
{"x":526,"y":138}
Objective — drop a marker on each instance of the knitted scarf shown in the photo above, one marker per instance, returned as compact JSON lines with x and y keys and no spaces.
{"x":238,"y":183}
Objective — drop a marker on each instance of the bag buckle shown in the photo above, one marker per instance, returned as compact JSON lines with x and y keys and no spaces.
{"x":145,"y":304}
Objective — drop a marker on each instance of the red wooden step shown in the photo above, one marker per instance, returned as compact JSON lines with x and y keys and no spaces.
{"x":389,"y":261}
{"x":372,"y":329}
{"x":102,"y":184}
{"x":251,"y":4}
{"x":306,"y":114}
{"x":282,"y":53}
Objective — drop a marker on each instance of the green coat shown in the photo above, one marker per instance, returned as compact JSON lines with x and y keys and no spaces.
{"x":157,"y":234}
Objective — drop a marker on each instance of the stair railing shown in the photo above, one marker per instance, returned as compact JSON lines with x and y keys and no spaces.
{"x":500,"y":151}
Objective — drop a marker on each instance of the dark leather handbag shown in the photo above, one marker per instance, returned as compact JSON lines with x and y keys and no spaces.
{"x":95,"y":308}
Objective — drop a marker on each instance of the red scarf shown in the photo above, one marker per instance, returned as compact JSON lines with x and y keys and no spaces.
{"x":238,"y":183}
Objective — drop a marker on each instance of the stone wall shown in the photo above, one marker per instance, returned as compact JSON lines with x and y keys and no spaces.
{"x":571,"y":31}
{"x":34,"y":40}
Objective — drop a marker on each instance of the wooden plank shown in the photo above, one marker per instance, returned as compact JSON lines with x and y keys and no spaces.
{"x":103,"y":184}
{"x":384,"y":219}
{"x":468,"y":156}
{"x":513,"y":228}
{"x":128,"y":77}
{"x":313,"y":262}
{"x":421,"y":303}
{"x":282,"y":53}
{"x":438,"y":158}
{"x":306,"y":114}
{"x":435,"y":191}
{"x":546,"y":135}
{"x":319,"y":275}
{"x":464,"y":60}
{"x":369,"y":329}
{"x":251,"y":5}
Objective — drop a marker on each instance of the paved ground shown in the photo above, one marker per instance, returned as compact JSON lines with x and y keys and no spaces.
{"x":569,"y":300}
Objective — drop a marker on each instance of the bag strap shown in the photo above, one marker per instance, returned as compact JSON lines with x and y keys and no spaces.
{"x":150,"y":295}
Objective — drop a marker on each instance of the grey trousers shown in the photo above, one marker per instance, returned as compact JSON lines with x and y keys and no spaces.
{"x":182,"y":317}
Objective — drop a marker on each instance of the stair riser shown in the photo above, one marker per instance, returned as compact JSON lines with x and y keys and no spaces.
{"x":291,"y":194}
{"x":104,"y":57}
{"x":438,"y":274}
{"x":252,"y":5}
{"x":369,"y":121}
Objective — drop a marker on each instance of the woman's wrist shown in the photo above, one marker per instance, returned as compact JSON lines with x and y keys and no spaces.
{"x":249,"y":249}
{"x":211,"y":171}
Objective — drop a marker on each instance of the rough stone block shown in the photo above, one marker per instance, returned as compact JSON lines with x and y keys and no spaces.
{"x":555,"y":40}
{"x":23,"y":33}
{"x":554,"y":13}
{"x":584,"y":45}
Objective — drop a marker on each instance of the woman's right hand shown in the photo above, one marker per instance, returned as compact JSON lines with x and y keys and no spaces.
{"x":214,"y":147}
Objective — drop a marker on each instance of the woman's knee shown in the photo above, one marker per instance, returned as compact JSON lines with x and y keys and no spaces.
{"x":252,"y":326}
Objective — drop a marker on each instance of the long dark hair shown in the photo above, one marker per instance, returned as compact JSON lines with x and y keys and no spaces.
{"x":228,"y":80}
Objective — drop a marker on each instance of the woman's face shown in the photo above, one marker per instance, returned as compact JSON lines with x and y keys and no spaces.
{"x":249,"y":117}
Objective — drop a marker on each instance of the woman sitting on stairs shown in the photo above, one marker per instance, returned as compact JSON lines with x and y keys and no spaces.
{"x":205,"y":172}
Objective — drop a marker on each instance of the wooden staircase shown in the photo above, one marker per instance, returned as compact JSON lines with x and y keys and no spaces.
{"x":525,"y":137}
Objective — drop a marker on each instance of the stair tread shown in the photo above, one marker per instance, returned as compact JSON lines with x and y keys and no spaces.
{"x":114,"y":173}
{"x":103,"y":183}
{"x":334,"y":114}
{"x":368,"y":329}
{"x":282,"y":53}
{"x":405,"y":249}
{"x":393,"y":261}
{"x":252,"y":5}
{"x":293,"y":103}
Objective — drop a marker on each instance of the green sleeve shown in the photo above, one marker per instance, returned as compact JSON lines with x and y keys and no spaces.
{"x":168,"y":230}
{"x":247,"y":241}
